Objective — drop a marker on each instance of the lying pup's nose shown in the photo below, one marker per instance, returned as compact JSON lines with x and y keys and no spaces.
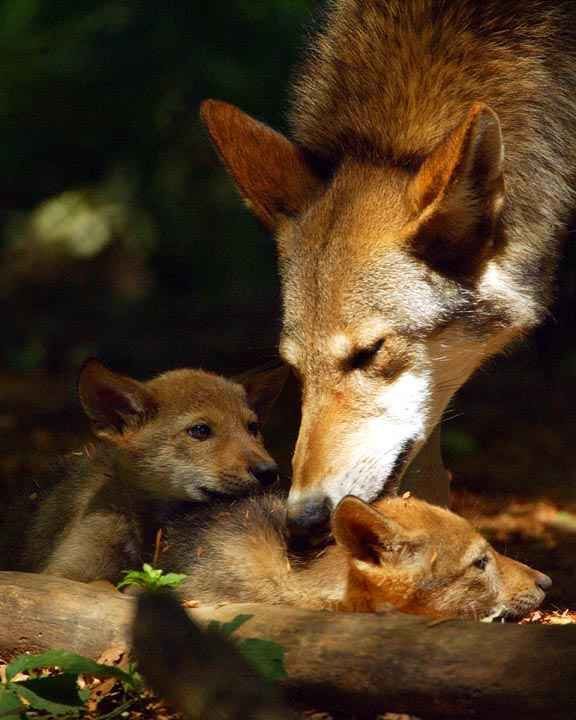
{"x":265,"y":473}
{"x":543,"y":581}
{"x":309,"y":519}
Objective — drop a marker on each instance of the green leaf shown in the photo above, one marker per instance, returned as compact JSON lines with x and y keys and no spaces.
{"x":134,"y":577}
{"x":266,"y":656}
{"x":171,"y":580}
{"x":10,"y":704}
{"x":150,"y":578}
{"x":65,"y":661}
{"x":41,"y":703}
{"x":136,"y":680}
{"x":61,"y":689}
{"x":228,"y":628}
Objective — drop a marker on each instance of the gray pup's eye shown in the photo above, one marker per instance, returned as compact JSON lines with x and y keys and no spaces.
{"x":481,"y":562}
{"x":200,"y":431}
{"x":253,"y":428}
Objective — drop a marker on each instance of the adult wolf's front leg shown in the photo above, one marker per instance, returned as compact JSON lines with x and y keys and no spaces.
{"x":426,"y":477}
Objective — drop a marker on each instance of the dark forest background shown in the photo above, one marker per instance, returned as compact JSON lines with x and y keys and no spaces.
{"x":122,"y":237}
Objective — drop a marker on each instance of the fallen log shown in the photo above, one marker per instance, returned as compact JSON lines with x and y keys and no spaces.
{"x":395,"y":662}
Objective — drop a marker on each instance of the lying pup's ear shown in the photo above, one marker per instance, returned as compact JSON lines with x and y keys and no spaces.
{"x":370,"y":536}
{"x":114,"y":403}
{"x":263,"y":388}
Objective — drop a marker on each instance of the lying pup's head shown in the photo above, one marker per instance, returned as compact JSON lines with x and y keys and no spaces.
{"x":185,"y":434}
{"x":418,"y":558}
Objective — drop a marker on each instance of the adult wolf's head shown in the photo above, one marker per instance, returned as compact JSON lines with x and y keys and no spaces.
{"x":394,"y":291}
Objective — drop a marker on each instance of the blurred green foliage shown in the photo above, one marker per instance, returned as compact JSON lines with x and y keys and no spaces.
{"x":93,"y":91}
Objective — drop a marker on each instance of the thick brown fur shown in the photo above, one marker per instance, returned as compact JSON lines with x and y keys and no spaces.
{"x":401,"y":553}
{"x":418,"y":219}
{"x":101,"y":519}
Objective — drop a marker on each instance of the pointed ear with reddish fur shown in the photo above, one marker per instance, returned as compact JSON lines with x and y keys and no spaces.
{"x":458,"y":195}
{"x":113,"y":402}
{"x":275,"y":177}
{"x":368,"y":535}
{"x":263,"y":388}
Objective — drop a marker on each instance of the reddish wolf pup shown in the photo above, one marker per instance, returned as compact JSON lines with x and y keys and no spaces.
{"x":417,"y":211}
{"x":185,"y":435}
{"x":402,"y":554}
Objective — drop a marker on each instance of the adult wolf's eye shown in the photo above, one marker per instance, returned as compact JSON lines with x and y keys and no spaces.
{"x":253,"y":428}
{"x":200,"y":431}
{"x":481,"y":562}
{"x":361,"y":358}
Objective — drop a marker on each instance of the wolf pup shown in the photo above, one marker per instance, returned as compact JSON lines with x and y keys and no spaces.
{"x":417,"y":210}
{"x":186,"y":435}
{"x":401,"y":553}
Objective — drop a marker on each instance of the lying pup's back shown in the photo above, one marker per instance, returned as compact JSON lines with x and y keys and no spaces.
{"x":238,"y":552}
{"x":401,"y":553}
{"x":184,"y":436}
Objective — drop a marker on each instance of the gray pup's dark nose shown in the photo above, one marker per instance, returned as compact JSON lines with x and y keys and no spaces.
{"x":265,"y":473}
{"x":309,"y":519}
{"x":544,"y":582}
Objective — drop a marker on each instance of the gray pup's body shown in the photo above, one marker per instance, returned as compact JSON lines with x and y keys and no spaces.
{"x":96,"y":523}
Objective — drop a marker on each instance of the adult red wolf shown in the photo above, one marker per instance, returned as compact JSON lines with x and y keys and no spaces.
{"x":417,"y":210}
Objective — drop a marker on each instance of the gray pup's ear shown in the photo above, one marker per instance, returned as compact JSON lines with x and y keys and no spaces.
{"x":263,"y":388}
{"x":114,"y":403}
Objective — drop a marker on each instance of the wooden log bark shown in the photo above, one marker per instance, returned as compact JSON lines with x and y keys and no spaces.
{"x":395,"y":662}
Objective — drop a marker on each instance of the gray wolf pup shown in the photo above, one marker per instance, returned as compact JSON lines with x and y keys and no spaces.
{"x":184,"y":436}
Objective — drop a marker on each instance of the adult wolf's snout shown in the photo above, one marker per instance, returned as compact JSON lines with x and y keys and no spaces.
{"x":308,"y":520}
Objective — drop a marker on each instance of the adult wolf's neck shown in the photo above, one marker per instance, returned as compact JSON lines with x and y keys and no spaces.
{"x":385,"y":80}
{"x":391,"y":77}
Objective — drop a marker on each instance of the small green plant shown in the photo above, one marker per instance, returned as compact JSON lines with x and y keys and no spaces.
{"x":150,"y":578}
{"x":57,"y":694}
{"x":266,"y":656}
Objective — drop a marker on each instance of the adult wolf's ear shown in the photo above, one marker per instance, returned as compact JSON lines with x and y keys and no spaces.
{"x":275,"y":177}
{"x":113,"y":403}
{"x":369,"y":535}
{"x":458,"y":195}
{"x":263,"y":386}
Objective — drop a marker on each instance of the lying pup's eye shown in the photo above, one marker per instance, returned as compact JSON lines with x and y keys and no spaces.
{"x":481,"y":562}
{"x":253,"y":428}
{"x":362,"y":358}
{"x":200,"y":431}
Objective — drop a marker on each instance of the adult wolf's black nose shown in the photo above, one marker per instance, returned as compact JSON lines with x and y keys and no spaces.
{"x":543,"y":581}
{"x":265,"y":473}
{"x":308,"y":521}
